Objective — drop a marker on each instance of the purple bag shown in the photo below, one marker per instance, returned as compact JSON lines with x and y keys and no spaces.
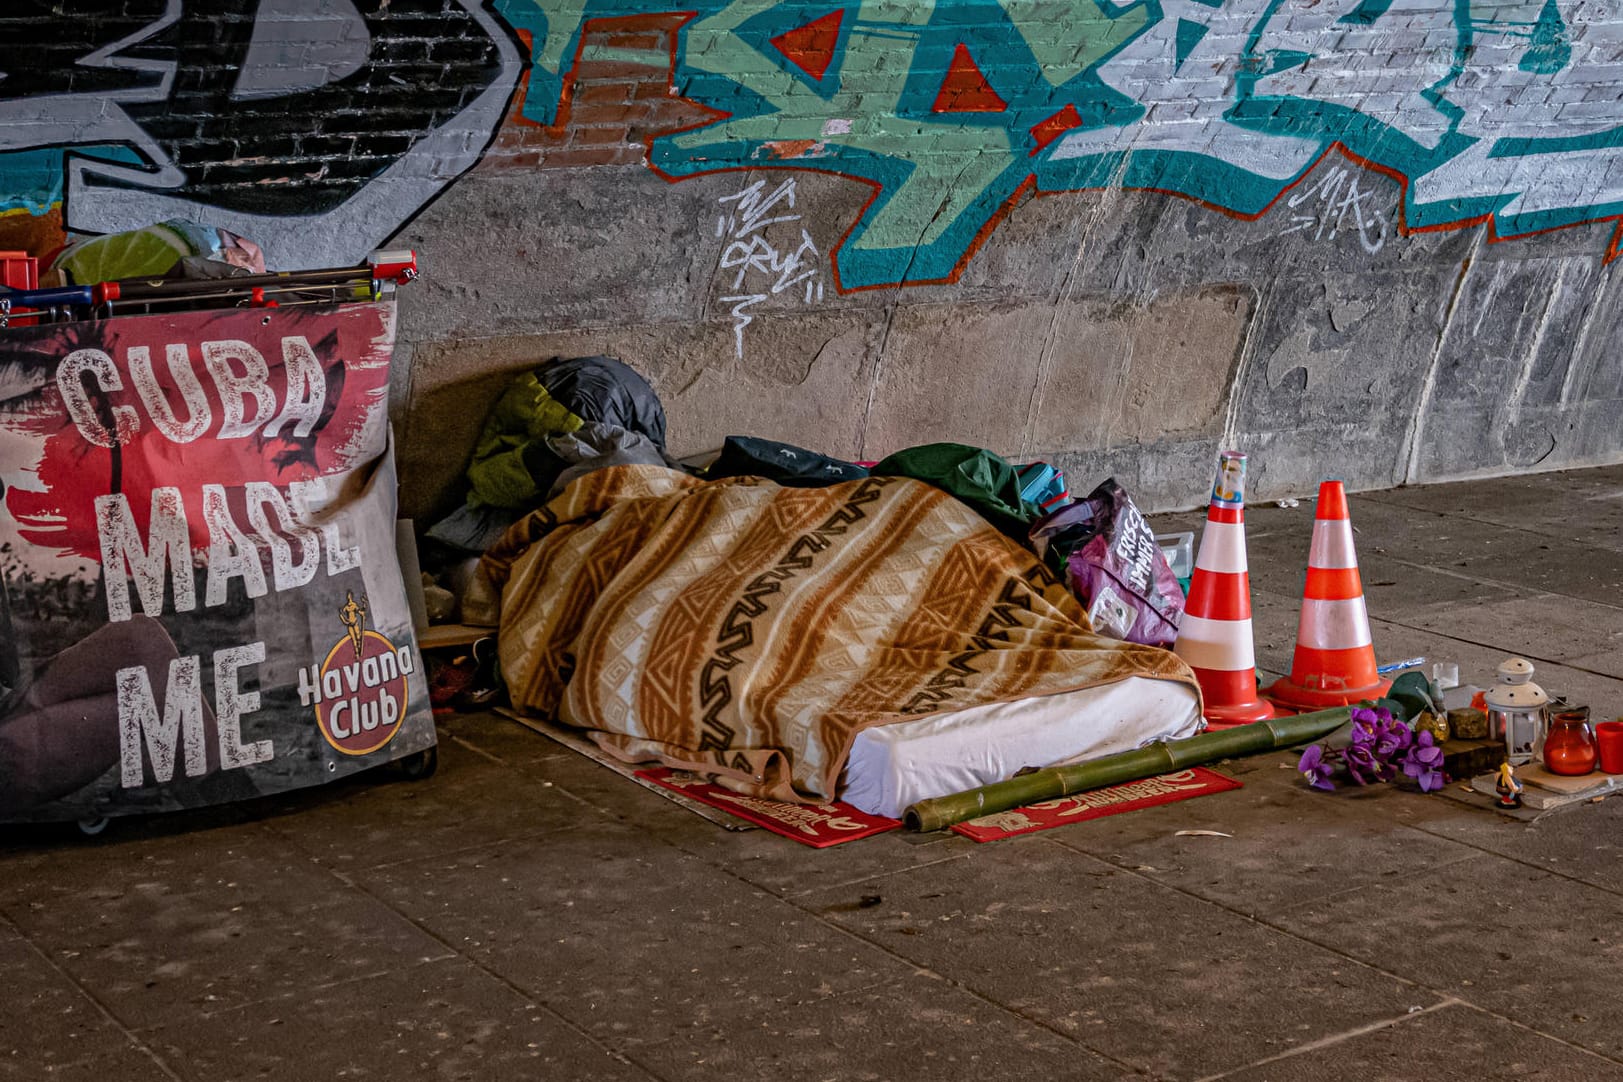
{"x":1110,"y":559}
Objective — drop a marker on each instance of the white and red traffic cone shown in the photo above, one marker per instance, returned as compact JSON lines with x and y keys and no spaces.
{"x":1214,"y":637}
{"x":1334,"y":664}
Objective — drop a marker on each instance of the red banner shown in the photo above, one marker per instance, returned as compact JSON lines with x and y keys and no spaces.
{"x":200,"y":597}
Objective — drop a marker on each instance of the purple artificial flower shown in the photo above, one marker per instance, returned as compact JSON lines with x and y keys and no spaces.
{"x":1391,"y":737}
{"x":1362,"y":766}
{"x":1317,"y":767}
{"x":1381,"y":746}
{"x":1424,"y":763}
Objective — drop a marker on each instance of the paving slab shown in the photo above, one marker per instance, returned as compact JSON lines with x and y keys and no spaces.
{"x":498,"y":738}
{"x":1540,"y":627}
{"x":1580,"y":505}
{"x":600,"y":793}
{"x":382,"y":817}
{"x":445,"y":1020}
{"x":1398,"y":583}
{"x":627,"y":938}
{"x":167,"y":927}
{"x":760,"y":857}
{"x":918,"y":1028}
{"x":1141,"y":973}
{"x":1436,"y":1044}
{"x":49,"y":1021}
{"x":132,"y":1065}
{"x":1584,"y":843}
{"x":1537,"y":948}
{"x":1289,"y":844}
{"x":789,"y":869}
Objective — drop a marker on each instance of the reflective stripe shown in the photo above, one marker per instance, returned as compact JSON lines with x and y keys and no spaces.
{"x":1215,"y":644}
{"x":1222,"y":548}
{"x":1332,"y":625}
{"x":1332,"y":584}
{"x":1218,"y":596}
{"x":1332,"y":544}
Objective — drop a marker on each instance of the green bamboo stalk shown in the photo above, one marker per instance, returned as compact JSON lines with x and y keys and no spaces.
{"x":1159,"y":758}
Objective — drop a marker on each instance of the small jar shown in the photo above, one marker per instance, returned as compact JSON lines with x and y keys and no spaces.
{"x":1570,"y":746}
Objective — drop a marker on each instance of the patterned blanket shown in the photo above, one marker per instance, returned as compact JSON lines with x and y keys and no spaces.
{"x":749,"y":632}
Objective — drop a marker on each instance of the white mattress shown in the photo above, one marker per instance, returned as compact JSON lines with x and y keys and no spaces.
{"x":891,"y":766}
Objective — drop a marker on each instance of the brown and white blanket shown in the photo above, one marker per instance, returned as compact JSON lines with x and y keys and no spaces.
{"x":749,"y":631}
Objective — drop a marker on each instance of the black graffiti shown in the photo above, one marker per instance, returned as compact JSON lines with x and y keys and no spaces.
{"x":203,"y":84}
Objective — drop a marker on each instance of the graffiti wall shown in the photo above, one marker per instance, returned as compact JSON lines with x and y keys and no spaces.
{"x":313,"y":126}
{"x":737,"y":190}
{"x":1491,"y":112}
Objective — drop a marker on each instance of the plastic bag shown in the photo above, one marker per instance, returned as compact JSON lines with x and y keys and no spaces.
{"x":1109,"y":557}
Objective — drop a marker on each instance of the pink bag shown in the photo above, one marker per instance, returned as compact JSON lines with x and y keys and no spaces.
{"x":1110,"y":560}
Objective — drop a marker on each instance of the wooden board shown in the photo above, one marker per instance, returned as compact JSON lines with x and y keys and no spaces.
{"x":574,"y":741}
{"x":441,"y":636}
{"x":1592,"y":784}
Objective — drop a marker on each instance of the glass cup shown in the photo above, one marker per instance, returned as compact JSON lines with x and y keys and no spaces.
{"x":1609,"y":737}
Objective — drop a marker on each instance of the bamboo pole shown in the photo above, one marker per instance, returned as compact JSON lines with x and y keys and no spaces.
{"x":1159,"y":758}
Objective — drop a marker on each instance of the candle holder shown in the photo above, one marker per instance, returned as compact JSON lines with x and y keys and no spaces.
{"x":1569,"y":747}
{"x":1517,"y":711}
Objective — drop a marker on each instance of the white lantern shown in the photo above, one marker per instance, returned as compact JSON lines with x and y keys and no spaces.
{"x":1517,"y":711}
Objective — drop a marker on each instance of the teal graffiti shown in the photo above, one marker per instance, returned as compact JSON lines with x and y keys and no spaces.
{"x":31,"y":180}
{"x":1073,"y":94}
{"x":1549,"y":50}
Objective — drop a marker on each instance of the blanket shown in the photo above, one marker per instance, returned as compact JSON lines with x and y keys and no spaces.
{"x":749,"y":631}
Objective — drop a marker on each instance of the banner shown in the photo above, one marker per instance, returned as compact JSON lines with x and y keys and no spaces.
{"x":200,"y":600}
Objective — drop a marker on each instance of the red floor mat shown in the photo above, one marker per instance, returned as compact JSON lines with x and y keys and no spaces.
{"x":1097,"y":803}
{"x":816,"y":825}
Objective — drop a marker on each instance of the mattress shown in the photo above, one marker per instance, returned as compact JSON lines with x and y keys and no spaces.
{"x":892,"y":766}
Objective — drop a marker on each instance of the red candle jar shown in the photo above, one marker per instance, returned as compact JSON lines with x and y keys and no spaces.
{"x":1570,"y":747}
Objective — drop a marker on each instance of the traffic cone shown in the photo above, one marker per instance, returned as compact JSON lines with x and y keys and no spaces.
{"x":1215,"y":634}
{"x":1335,"y":659}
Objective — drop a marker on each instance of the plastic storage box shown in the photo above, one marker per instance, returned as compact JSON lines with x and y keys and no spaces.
{"x":1179,"y":549}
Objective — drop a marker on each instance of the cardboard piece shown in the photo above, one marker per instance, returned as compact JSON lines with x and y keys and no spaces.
{"x":1543,"y":790}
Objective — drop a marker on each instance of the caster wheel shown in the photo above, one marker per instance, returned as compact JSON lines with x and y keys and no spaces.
{"x":421,"y":765}
{"x":92,"y":827}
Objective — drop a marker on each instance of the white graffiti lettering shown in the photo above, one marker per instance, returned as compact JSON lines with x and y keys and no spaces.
{"x":1326,"y":205}
{"x":764,"y":267}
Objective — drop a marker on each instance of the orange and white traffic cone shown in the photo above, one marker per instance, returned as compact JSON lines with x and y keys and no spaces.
{"x":1215,"y":634}
{"x":1335,"y":658}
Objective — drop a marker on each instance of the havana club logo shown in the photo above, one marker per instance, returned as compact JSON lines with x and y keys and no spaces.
{"x":359,"y":690}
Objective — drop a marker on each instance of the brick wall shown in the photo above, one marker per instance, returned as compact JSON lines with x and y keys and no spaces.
{"x":619,"y":98}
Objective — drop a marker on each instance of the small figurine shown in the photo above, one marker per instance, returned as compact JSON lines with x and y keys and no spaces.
{"x":1509,"y":787}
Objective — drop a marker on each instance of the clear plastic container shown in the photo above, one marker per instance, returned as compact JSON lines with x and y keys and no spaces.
{"x":1179,"y":549}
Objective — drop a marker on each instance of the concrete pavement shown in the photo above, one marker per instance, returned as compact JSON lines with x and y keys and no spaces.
{"x":527,"y":914}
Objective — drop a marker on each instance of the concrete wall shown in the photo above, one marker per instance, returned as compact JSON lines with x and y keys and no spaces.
{"x":1355,"y":238}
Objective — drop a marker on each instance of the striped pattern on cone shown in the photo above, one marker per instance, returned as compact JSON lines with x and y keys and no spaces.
{"x":1214,"y":637}
{"x":1334,"y":663}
